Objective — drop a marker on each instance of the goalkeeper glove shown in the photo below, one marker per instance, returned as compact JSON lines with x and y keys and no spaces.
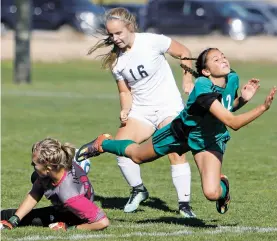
{"x":11,"y":223}
{"x":60,"y":226}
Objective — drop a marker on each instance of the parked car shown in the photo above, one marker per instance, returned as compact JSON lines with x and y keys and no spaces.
{"x":265,"y":10}
{"x":8,"y":15}
{"x":81,"y":15}
{"x":201,"y":17}
{"x":136,"y":9}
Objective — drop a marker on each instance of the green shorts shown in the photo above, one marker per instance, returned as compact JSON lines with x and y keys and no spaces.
{"x":219,"y":146}
{"x":164,"y":142}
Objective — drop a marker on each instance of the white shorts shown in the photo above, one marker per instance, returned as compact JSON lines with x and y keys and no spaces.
{"x":154,"y":116}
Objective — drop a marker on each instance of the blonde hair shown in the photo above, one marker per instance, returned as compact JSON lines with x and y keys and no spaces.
{"x":52,"y":153}
{"x":121,"y":14}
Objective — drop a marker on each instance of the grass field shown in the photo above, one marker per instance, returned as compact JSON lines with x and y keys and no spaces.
{"x":76,"y":101}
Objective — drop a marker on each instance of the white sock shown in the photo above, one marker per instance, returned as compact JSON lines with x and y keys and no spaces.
{"x":130,"y":170}
{"x":181,"y":177}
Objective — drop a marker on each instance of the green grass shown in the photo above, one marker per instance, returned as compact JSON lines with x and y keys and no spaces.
{"x":76,"y":101}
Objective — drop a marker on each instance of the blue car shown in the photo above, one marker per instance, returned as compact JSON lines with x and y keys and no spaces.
{"x":201,"y":17}
{"x":268,"y":11}
{"x":81,"y":15}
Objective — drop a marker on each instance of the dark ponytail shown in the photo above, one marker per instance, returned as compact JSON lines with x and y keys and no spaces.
{"x":188,"y":69}
{"x":200,"y":63}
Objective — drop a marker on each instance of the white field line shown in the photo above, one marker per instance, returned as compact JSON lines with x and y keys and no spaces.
{"x":30,"y":93}
{"x":211,"y":231}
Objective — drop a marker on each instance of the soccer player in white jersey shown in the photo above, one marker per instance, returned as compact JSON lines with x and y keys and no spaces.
{"x":149,"y":97}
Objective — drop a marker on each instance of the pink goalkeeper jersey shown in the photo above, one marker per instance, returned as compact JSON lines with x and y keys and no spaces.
{"x":74,"y":192}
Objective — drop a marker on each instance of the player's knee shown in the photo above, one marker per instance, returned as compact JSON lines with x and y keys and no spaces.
{"x":175,"y":159}
{"x":136,"y":160}
{"x":211,"y":194}
{"x":134,"y":156}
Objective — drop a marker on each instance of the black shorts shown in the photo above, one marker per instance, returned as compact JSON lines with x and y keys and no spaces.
{"x":44,"y":216}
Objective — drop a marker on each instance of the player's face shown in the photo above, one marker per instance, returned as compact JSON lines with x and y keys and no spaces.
{"x":40,"y":169}
{"x":119,"y":33}
{"x":216,"y":64}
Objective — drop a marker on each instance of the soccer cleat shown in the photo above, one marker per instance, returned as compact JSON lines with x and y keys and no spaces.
{"x":137,"y":196}
{"x":85,"y":164}
{"x":222,"y":204}
{"x":186,"y":211}
{"x":91,"y":149}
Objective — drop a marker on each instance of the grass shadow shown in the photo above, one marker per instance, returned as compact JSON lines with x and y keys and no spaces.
{"x":190,"y":222}
{"x":111,"y":202}
{"x":157,"y":203}
{"x":119,"y":203}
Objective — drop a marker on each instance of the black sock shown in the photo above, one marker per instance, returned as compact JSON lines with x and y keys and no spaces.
{"x":183,"y":204}
{"x":140,"y":187}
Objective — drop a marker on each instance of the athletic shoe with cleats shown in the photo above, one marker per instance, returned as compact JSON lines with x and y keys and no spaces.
{"x":186,"y":211}
{"x":222,"y":204}
{"x":93,"y":148}
{"x":85,"y":164}
{"x":137,"y":196}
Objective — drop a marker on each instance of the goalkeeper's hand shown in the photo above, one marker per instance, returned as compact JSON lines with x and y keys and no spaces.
{"x":11,"y":223}
{"x":61,"y":226}
{"x":4,"y":224}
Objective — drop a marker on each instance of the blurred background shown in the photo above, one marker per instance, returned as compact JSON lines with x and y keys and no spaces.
{"x":249,"y":26}
{"x":236,"y":19}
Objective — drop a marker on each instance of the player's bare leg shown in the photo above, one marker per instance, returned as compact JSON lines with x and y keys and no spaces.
{"x":215,"y":185}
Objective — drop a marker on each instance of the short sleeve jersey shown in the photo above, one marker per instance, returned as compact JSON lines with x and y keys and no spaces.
{"x":147,"y":72}
{"x":205,"y":128}
{"x":73,"y":192}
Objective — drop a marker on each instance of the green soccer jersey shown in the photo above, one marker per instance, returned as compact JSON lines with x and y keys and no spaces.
{"x":205,"y":129}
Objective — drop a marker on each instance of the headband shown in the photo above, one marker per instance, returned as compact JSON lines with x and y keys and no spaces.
{"x":118,"y":18}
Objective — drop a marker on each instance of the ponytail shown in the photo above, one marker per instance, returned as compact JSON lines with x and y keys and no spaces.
{"x":188,"y":69}
{"x":200,"y":63}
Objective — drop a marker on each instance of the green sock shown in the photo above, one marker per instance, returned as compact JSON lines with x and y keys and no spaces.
{"x":71,"y":227}
{"x":224,"y":189}
{"x":116,"y":146}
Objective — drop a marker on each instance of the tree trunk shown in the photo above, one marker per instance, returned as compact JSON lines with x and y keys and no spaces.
{"x":22,"y":63}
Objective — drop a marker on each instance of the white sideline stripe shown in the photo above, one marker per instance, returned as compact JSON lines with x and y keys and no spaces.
{"x":28,"y":93}
{"x":221,"y":229}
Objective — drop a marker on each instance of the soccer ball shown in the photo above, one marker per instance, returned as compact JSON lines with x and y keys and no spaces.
{"x":85,"y":164}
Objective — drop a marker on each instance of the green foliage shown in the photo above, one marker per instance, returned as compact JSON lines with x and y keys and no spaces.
{"x":76,"y":101}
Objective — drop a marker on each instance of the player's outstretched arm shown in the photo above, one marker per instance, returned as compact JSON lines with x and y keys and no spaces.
{"x":236,"y":122}
{"x":246,"y":94}
{"x":25,"y":207}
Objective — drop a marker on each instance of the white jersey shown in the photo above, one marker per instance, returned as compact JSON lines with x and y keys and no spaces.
{"x":147,"y":72}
